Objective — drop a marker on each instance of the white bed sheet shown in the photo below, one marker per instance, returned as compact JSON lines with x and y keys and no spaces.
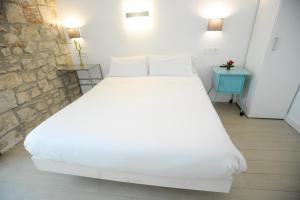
{"x":154,"y":126}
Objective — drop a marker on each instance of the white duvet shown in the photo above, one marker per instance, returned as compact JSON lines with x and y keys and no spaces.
{"x":157,"y":126}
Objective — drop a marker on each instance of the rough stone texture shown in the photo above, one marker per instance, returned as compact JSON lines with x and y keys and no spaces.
{"x":17,"y":51}
{"x":11,"y":39}
{"x":8,"y":122}
{"x":48,"y":14}
{"x":26,"y":114}
{"x":23,"y":97}
{"x":32,"y":14}
{"x":1,"y":12}
{"x":30,"y":33}
{"x":32,"y":48}
{"x":5,"y":52}
{"x":14,"y":13}
{"x":28,"y":76}
{"x":10,"y":80}
{"x":7,"y":100}
{"x":10,"y":140}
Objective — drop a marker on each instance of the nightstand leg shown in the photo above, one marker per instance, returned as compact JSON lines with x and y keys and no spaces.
{"x":231,"y":100}
{"x":241,"y":105}
{"x":78,"y":80}
{"x":90,"y":77}
{"x":101,"y":73}
{"x":210,"y":90}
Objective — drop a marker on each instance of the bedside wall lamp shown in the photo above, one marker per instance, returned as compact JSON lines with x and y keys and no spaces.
{"x":215,"y":24}
{"x":137,"y":14}
{"x":73,"y":34}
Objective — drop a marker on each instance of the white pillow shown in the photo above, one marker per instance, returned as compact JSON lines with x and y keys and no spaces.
{"x":170,"y":65}
{"x":129,"y":66}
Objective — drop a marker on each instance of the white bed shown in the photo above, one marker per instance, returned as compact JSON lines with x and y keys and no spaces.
{"x":158,"y":130}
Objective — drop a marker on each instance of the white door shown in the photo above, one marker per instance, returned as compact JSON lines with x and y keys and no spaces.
{"x":280,"y":75}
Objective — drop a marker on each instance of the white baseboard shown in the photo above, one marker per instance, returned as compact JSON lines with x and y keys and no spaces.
{"x":293,"y":123}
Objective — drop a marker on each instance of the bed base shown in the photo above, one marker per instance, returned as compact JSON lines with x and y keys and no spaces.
{"x":213,"y":185}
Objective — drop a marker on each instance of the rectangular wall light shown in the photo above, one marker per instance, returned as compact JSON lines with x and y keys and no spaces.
{"x":215,"y":24}
{"x":73,"y":32}
{"x":137,"y":14}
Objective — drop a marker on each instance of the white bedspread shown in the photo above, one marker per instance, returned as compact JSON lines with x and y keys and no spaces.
{"x":157,"y":126}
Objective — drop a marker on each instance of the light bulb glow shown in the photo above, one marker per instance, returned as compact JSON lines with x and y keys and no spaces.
{"x":72,"y":22}
{"x":216,"y":10}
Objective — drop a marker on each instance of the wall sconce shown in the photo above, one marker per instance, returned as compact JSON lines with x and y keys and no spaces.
{"x":137,"y":14}
{"x":75,"y":33}
{"x":215,"y":24}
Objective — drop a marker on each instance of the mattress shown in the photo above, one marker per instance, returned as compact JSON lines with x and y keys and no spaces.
{"x":159,"y":126}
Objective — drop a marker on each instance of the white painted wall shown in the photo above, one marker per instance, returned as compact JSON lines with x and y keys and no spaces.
{"x":293,"y":116}
{"x":178,"y":27}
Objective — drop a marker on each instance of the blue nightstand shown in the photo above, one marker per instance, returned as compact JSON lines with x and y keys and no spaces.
{"x":230,"y":81}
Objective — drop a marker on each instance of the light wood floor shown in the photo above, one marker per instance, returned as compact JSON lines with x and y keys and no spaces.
{"x":271,"y":148}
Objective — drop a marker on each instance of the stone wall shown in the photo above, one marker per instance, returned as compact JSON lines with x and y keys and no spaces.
{"x":32,"y":47}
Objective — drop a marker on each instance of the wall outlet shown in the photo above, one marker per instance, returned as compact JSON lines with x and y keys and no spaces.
{"x":211,"y":51}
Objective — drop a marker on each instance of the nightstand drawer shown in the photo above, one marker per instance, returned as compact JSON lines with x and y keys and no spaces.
{"x":231,"y":83}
